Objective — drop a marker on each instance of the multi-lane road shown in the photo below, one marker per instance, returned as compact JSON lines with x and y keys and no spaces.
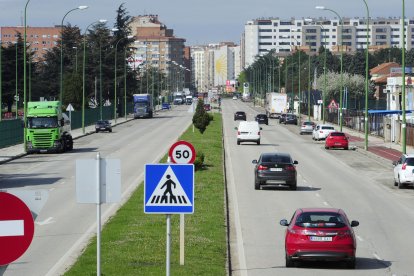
{"x":350,"y":180}
{"x":63,"y":225}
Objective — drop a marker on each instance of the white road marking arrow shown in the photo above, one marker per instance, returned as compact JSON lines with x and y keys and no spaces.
{"x":46,"y":221}
{"x":11,"y":228}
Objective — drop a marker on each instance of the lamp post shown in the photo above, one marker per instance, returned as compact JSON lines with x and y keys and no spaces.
{"x":115,"y":77}
{"x":299,"y":95}
{"x":366,"y":78}
{"x":341,"y":51}
{"x":24,"y":77}
{"x":404,"y":127}
{"x":61,"y":49}
{"x":83,"y":72}
{"x":76,"y":58}
{"x":1,"y":82}
{"x":125,"y":93}
{"x":16,"y":93}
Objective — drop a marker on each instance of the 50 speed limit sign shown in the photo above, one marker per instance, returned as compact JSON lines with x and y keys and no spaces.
{"x":182,"y":152}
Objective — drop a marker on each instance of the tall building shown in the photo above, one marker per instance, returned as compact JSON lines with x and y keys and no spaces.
{"x":155,"y":44}
{"x":283,"y":35}
{"x":39,"y":39}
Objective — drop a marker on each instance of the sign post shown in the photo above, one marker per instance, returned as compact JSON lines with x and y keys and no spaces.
{"x":16,"y":228}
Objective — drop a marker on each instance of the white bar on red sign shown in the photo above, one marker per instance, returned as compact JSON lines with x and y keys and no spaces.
{"x":10,"y":228}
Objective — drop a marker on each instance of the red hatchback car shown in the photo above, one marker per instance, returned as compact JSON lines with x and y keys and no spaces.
{"x":336,"y":139}
{"x":320,"y":234}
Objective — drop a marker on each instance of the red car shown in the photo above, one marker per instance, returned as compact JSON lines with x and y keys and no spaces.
{"x":320,"y":234}
{"x":336,"y":140}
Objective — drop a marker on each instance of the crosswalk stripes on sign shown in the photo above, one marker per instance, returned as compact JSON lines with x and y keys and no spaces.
{"x":169,"y":189}
{"x":169,"y":192}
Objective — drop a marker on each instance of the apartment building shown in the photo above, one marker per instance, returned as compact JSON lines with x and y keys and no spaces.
{"x":39,"y":39}
{"x":283,"y":35}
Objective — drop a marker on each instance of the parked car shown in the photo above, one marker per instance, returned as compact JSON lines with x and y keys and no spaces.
{"x":307,"y":127}
{"x":290,"y":119}
{"x":207,"y":107}
{"x":103,"y":125}
{"x":262,"y":119}
{"x":165,"y":106}
{"x":282,"y":118}
{"x":240,"y":115}
{"x":248,"y":131}
{"x":275,"y":168}
{"x":320,"y":234}
{"x":321,"y":132}
{"x":403,"y":170}
{"x":234,"y":97}
{"x":336,"y":139}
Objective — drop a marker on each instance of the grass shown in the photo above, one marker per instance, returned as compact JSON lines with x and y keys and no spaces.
{"x":134,"y":243}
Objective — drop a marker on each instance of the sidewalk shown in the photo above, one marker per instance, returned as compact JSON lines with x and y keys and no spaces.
{"x":17,"y":151}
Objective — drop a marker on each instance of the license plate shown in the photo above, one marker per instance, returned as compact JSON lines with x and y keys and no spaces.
{"x":337,"y":144}
{"x":275,"y":169}
{"x":317,"y":238}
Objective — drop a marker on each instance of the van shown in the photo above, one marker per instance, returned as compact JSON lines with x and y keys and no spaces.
{"x":248,"y":131}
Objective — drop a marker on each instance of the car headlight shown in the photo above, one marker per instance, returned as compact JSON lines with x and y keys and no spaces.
{"x":29,"y":145}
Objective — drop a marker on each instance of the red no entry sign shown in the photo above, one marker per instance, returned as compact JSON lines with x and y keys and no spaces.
{"x":16,"y":228}
{"x":182,"y":152}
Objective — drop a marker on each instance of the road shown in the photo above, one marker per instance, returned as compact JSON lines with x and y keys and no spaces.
{"x":360,"y":185}
{"x":64,"y":226}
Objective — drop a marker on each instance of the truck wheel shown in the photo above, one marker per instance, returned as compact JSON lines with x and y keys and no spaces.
{"x":69,"y":144}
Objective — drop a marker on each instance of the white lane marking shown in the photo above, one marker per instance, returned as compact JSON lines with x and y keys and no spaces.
{"x":360,"y":238}
{"x":49,"y":220}
{"x":377,"y":257}
{"x":318,"y":195}
{"x":11,"y":228}
{"x":325,"y":203}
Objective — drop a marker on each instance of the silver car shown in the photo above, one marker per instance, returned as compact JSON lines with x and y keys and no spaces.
{"x":307,"y":127}
{"x":403,"y":171}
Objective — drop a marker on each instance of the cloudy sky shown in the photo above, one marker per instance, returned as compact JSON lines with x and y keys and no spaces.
{"x":199,"y":22}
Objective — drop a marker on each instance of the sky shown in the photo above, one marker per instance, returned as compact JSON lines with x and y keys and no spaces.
{"x":199,"y":22}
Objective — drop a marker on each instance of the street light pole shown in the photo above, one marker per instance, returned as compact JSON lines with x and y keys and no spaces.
{"x":17,"y":80}
{"x":24,"y":76}
{"x":366,"y":79}
{"x":404,"y":126}
{"x":61,"y":49}
{"x":83,"y":72}
{"x":1,"y":82}
{"x":341,"y":51}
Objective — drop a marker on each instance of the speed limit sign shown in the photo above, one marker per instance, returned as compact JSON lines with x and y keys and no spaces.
{"x":182,"y":152}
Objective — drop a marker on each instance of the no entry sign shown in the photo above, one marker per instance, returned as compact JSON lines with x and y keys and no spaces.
{"x":16,"y":228}
{"x":182,"y":152}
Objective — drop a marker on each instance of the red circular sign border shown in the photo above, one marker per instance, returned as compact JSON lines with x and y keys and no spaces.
{"x":182,"y":142}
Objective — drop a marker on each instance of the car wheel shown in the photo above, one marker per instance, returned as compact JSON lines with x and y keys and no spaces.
{"x":238,"y":142}
{"x":110,"y":130}
{"x":326,"y":147}
{"x":400,"y":185}
{"x":258,"y":142}
{"x":395,"y":182}
{"x":345,"y":148}
{"x":257,"y":185}
{"x":97,"y":131}
{"x":289,"y":261}
{"x":351,"y":264}
{"x":293,"y":186}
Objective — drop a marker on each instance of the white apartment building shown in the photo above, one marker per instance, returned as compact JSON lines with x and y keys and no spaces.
{"x":263,"y":35}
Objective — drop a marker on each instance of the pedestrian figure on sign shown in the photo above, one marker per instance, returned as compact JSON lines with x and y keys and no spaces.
{"x":168,"y":190}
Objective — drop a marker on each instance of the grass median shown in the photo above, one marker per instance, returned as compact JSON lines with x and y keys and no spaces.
{"x":134,"y":243}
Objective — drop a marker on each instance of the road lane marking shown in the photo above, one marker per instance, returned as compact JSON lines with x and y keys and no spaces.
{"x":360,"y":238}
{"x":49,"y":220}
{"x":325,"y":203}
{"x":377,"y":257}
{"x":11,"y":228}
{"x":318,"y":195}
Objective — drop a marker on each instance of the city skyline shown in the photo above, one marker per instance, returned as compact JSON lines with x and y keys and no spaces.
{"x":201,"y":23}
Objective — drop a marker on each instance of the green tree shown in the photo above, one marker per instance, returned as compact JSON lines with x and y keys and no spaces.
{"x":201,"y":118}
{"x":72,"y":90}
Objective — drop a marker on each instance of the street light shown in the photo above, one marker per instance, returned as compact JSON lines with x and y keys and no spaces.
{"x":1,"y":83}
{"x":115,"y":78}
{"x":24,"y":77}
{"x":76,"y":58}
{"x":83,"y":72}
{"x":366,"y":78}
{"x":404,"y":127}
{"x":61,"y":49}
{"x":342,"y":83}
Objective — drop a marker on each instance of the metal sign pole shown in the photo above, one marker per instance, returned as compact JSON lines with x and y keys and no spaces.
{"x":182,"y":230}
{"x":168,"y":244}
{"x":98,"y":215}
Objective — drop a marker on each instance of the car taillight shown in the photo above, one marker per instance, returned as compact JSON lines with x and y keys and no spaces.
{"x":320,"y":131}
{"x":344,"y":234}
{"x":290,"y":168}
{"x":303,"y":125}
{"x":404,"y":166}
{"x":262,"y":168}
{"x":238,"y":132}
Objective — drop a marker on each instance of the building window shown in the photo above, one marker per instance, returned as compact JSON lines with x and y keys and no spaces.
{"x":264,"y":23}
{"x":265,"y":30}
{"x":275,"y":24}
{"x":381,"y":37}
{"x":381,"y":30}
{"x":395,"y":36}
{"x":348,"y":43}
{"x":265,"y":37}
{"x":347,"y":37}
{"x":285,"y":23}
{"x":284,"y":30}
{"x":284,"y":43}
{"x":299,"y":24}
{"x":311,"y":31}
{"x":265,"y":43}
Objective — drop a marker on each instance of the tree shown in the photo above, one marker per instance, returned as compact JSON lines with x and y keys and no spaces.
{"x":201,"y":119}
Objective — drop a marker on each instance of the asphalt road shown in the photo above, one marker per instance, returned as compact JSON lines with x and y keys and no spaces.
{"x":356,"y":182}
{"x":64,"y":226}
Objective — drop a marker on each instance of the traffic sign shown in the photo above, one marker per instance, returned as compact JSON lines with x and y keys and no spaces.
{"x":70,"y":108}
{"x":182,"y":152}
{"x":16,"y":228}
{"x":169,"y":189}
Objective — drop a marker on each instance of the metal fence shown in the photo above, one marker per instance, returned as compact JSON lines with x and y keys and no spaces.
{"x":11,"y":132}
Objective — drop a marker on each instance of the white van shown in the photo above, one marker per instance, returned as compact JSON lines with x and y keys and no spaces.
{"x":248,"y":131}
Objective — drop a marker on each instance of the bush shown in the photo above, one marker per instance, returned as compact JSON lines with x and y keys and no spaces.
{"x":201,"y":118}
{"x":199,"y":161}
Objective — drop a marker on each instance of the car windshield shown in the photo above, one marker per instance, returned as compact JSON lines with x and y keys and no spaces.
{"x":320,"y":220}
{"x":327,"y":127}
{"x":337,"y":134}
{"x":409,"y":161}
{"x":276,"y":159}
{"x":42,"y":122}
{"x":308,"y":123}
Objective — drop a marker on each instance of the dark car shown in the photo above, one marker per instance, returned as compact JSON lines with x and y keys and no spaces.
{"x":262,"y":119}
{"x":291,"y":119}
{"x":282,"y":118}
{"x":103,"y":125}
{"x":275,"y":168}
{"x":240,"y":115}
{"x":165,"y":106}
{"x":320,"y":234}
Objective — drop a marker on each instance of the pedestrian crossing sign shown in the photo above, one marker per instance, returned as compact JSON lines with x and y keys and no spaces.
{"x":169,"y":189}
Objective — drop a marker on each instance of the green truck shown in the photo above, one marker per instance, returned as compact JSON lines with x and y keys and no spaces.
{"x":48,"y":128}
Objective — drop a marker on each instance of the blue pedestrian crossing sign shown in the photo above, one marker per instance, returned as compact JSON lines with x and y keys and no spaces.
{"x":169,"y":189}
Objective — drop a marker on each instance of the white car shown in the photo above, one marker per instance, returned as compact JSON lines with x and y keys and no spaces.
{"x":248,"y":131}
{"x":321,"y":132}
{"x":234,"y":97}
{"x":403,"y":170}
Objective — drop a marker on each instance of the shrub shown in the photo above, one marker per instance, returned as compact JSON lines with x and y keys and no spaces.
{"x":199,"y":161}
{"x":201,"y":118}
